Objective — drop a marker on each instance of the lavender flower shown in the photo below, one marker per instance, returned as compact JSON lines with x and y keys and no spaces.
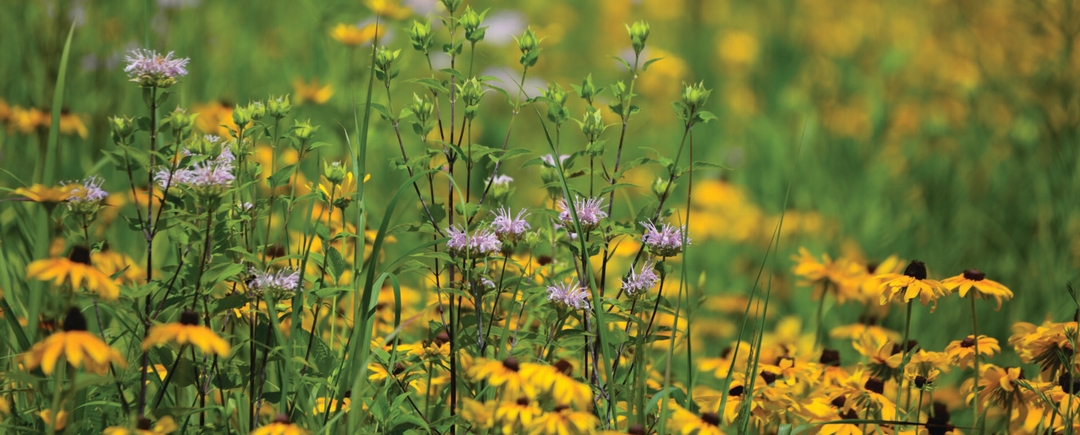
{"x":209,"y":177}
{"x":550,"y":159}
{"x":482,"y":243}
{"x":638,"y":282}
{"x":501,"y":180}
{"x":509,"y":228}
{"x":148,"y":68}
{"x":86,"y":196}
{"x":284,"y":282}
{"x":665,"y":241}
{"x":568,"y":295}
{"x":588,"y":213}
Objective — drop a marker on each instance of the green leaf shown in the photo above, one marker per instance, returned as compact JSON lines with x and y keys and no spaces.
{"x":281,"y":177}
{"x":53,"y":144}
{"x":649,"y":62}
{"x":335,"y":264}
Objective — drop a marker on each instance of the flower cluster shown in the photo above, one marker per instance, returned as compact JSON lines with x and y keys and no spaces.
{"x":86,"y":195}
{"x":588,"y":210}
{"x":149,"y":68}
{"x":568,"y":295}
{"x":665,"y":241}
{"x":481,"y":243}
{"x":210,"y":177}
{"x":637,"y":283}
{"x":283,"y":283}
{"x":507,"y":227}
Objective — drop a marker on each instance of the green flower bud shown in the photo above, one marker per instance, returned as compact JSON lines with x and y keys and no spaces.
{"x":278,"y":107}
{"x":660,"y":186}
{"x":470,"y":92}
{"x":471,"y":21}
{"x":241,"y":116}
{"x":587,"y":90}
{"x":206,"y":145}
{"x":257,"y":110}
{"x":451,"y":5}
{"x":384,"y":63}
{"x":694,"y":96}
{"x":422,"y":107}
{"x":555,"y":94}
{"x":529,"y":45}
{"x":304,"y":130}
{"x":421,"y":37}
{"x":335,"y":172}
{"x":122,"y":128}
{"x":639,"y":33}
{"x":592,"y":125}
{"x":181,"y":122}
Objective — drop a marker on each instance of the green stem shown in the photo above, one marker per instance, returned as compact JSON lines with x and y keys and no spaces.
{"x":975,"y":376}
{"x":903,"y":358}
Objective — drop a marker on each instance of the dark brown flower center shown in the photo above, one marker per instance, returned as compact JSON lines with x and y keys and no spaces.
{"x":543,"y":260}
{"x":968,"y":342}
{"x":281,"y":418}
{"x":564,"y":367}
{"x":399,"y":368}
{"x":523,"y":401}
{"x":561,"y":408}
{"x":711,"y":418}
{"x":875,"y":385}
{"x":769,"y":377}
{"x":143,"y":424}
{"x":80,"y":254}
{"x":189,"y":318}
{"x":916,"y":269}
{"x":74,"y":321}
{"x":636,"y":429}
{"x":736,"y":391}
{"x":511,"y":363}
{"x":1069,"y":384}
{"x":974,"y":275}
{"x":850,"y":415}
{"x":920,"y":381}
{"x":442,"y":338}
{"x":830,"y":357}
{"x":839,"y":401}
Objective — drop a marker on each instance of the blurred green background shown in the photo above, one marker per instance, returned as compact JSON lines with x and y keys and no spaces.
{"x":939,"y":130}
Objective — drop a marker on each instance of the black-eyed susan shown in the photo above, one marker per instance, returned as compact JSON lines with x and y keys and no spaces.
{"x":72,"y":124}
{"x":1044,"y":344}
{"x":354,"y":35}
{"x":312,"y":91}
{"x":388,"y":9}
{"x":46,"y":194}
{"x":164,"y":425}
{"x":280,"y":426}
{"x":961,"y":353}
{"x":974,"y":281}
{"x":913,"y":283}
{"x":61,"y":418}
{"x":513,"y":417}
{"x":76,"y":271}
{"x":689,"y":423}
{"x":481,"y":416}
{"x":78,"y":347}
{"x":322,"y":403}
{"x":505,"y":375}
{"x":999,"y":387}
{"x":187,"y":331}
{"x":557,"y":382}
{"x":564,"y":421}
{"x":838,"y":275}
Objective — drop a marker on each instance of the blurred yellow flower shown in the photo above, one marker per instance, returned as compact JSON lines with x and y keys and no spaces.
{"x":75,"y":271}
{"x":25,"y":121}
{"x":388,"y":8}
{"x":214,"y":118}
{"x":72,"y":124}
{"x":187,"y":331}
{"x":353,"y":35}
{"x":61,"y":418}
{"x":46,"y":194}
{"x":738,"y":48}
{"x":314,"y":92}
{"x":78,"y":347}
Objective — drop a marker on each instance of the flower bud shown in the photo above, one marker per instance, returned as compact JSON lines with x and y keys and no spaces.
{"x":334,"y":172}
{"x":587,"y":90}
{"x":470,"y":92}
{"x":257,"y":110}
{"x":385,"y":58}
{"x":122,"y":127}
{"x":451,"y":5}
{"x":208,"y":145}
{"x":278,"y":107}
{"x":471,"y":21}
{"x":555,"y":94}
{"x":421,"y":37}
{"x":694,"y":96}
{"x":181,"y":122}
{"x":241,"y":116}
{"x":422,"y":107}
{"x":592,"y":125}
{"x":639,"y":33}
{"x":304,"y":130}
{"x":528,"y":43}
{"x":660,"y":187}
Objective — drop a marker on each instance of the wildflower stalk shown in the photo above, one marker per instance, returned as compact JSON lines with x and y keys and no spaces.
{"x":506,"y":138}
{"x":210,"y":205}
{"x":627,"y":112}
{"x":273,"y":169}
{"x":975,"y":376}
{"x":148,"y":232}
{"x":820,"y":312}
{"x":905,"y":354}
{"x":405,"y":157}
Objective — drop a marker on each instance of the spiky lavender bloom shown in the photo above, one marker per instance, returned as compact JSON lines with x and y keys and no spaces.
{"x":209,"y":177}
{"x":481,"y":243}
{"x":638,"y":282}
{"x":284,"y":282}
{"x":568,"y":295}
{"x":588,"y":211}
{"x":507,"y":227}
{"x":550,"y":159}
{"x":87,"y":195}
{"x":665,"y":241}
{"x":501,"y":181}
{"x":148,"y":68}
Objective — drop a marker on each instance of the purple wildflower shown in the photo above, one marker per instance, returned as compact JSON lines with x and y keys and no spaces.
{"x":208,"y":177}
{"x":568,"y":295}
{"x":588,"y":213}
{"x":284,"y":281}
{"x":482,"y":243}
{"x":550,"y":159}
{"x":148,"y":68}
{"x":87,"y":195}
{"x":665,"y":241}
{"x":638,"y":282}
{"x":501,"y":181}
{"x":508,"y":227}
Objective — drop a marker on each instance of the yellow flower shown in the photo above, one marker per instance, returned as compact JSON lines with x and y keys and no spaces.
{"x":688,"y":423}
{"x":505,"y":375}
{"x":111,"y":263}
{"x":78,"y":347}
{"x":999,"y":387}
{"x":5,"y":110}
{"x":280,"y":426}
{"x":912,"y":284}
{"x":962,"y":352}
{"x":77,"y":271}
{"x":45,"y":194}
{"x":513,"y":417}
{"x":164,"y":425}
{"x":322,"y":402}
{"x":214,"y":118}
{"x":480,"y":415}
{"x":839,"y":276}
{"x":314,"y":91}
{"x":388,"y":8}
{"x":61,"y":418}
{"x":27,"y":120}
{"x":187,"y":331}
{"x":556,"y":381}
{"x":352,"y":35}
{"x":973,"y":279}
{"x":564,"y":421}
{"x":72,"y":124}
